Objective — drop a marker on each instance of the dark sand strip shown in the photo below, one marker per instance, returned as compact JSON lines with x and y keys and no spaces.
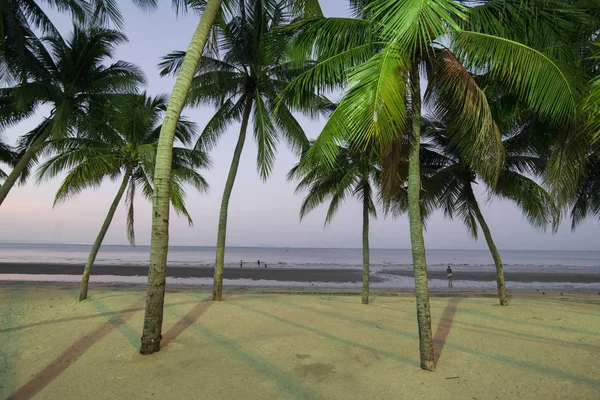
{"x":294,"y":274}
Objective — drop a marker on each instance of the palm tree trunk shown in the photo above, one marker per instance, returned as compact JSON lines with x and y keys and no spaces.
{"x":85,"y":279}
{"x":495,"y":255}
{"x":159,"y":243}
{"x":416,"y":229}
{"x":222,"y":232}
{"x":21,"y":165}
{"x":365,"y":240}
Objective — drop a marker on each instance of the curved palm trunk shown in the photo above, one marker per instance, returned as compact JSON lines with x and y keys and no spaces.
{"x":365,"y":243}
{"x":222,"y":232}
{"x":495,"y":255}
{"x":21,"y":165}
{"x":159,"y":243}
{"x":85,"y":279}
{"x":416,"y":229}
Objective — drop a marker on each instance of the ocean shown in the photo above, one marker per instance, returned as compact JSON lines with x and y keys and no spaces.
{"x":550,"y":261}
{"x":390,"y":268}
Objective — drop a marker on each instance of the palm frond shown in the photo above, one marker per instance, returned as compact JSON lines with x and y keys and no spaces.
{"x":548,"y":86}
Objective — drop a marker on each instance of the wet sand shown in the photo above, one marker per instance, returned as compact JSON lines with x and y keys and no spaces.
{"x":266,"y":346}
{"x":295,"y":275}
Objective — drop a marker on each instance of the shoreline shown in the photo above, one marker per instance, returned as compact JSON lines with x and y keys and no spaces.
{"x":233,"y":289}
{"x":308,"y":275}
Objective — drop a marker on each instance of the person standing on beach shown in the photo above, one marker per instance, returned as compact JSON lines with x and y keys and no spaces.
{"x":241,"y":263}
{"x":258,"y":263}
{"x":449,"y":272}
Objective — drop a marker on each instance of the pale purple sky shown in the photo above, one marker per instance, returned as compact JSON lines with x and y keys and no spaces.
{"x":260,"y":213}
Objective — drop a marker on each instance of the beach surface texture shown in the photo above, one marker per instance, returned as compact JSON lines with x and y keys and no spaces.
{"x":257,"y":345}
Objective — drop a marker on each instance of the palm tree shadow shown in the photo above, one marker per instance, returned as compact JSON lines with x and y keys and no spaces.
{"x":443,"y":329}
{"x":185,"y":322}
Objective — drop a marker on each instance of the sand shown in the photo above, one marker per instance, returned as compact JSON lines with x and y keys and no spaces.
{"x":297,"y":274}
{"x":291,"y":346}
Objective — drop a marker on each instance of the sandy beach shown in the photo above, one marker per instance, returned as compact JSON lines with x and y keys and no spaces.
{"x":251,"y":272}
{"x":283,"y":346}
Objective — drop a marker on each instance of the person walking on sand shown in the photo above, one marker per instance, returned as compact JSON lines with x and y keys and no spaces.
{"x":449,"y":273}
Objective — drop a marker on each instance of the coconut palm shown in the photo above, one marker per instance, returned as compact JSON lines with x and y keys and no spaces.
{"x":74,"y":81}
{"x":159,"y":243}
{"x":245,"y":83}
{"x":353,"y":174}
{"x":448,"y":182}
{"x":124,"y":147}
{"x":160,"y":204}
{"x":21,"y":20}
{"x":380,"y":61}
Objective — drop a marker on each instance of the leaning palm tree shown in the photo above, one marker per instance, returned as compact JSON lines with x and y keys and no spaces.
{"x":162,"y":177}
{"x":124,"y":147}
{"x":352,"y":174}
{"x":159,"y":243}
{"x":448,"y":182}
{"x":245,"y":83}
{"x":74,"y":81}
{"x":380,"y":61}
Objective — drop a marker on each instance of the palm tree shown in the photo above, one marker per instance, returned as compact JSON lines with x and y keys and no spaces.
{"x":352,"y":174}
{"x":74,"y":82}
{"x":124,"y":147}
{"x":159,"y":243}
{"x":245,"y":84}
{"x":448,"y":184}
{"x":162,"y":177}
{"x":21,"y":20}
{"x":379,"y":63}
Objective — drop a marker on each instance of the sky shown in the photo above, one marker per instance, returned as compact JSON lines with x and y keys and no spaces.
{"x":260,"y":213}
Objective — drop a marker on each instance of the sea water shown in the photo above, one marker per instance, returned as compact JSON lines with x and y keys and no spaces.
{"x":329,"y":258}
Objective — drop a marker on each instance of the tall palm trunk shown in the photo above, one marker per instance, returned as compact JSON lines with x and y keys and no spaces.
{"x":85,"y":279}
{"x":365,"y":243}
{"x":416,"y":228}
{"x":21,"y":165}
{"x":159,"y":243}
{"x":222,"y":233}
{"x":495,"y":254}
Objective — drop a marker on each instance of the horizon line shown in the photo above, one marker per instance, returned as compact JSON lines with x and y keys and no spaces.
{"x":279,"y":247}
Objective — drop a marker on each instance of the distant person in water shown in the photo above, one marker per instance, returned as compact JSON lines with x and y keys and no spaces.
{"x":258,"y":263}
{"x":449,"y":272}
{"x":241,"y":263}
{"x":265,"y":265}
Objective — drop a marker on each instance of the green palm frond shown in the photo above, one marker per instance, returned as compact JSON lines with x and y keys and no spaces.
{"x":85,"y":175}
{"x":587,"y":198}
{"x":414,"y":24}
{"x":458,"y":99}
{"x":266,"y":137}
{"x":372,"y":111}
{"x":534,"y":201}
{"x":227,"y":114}
{"x":348,"y":176}
{"x":548,"y":86}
